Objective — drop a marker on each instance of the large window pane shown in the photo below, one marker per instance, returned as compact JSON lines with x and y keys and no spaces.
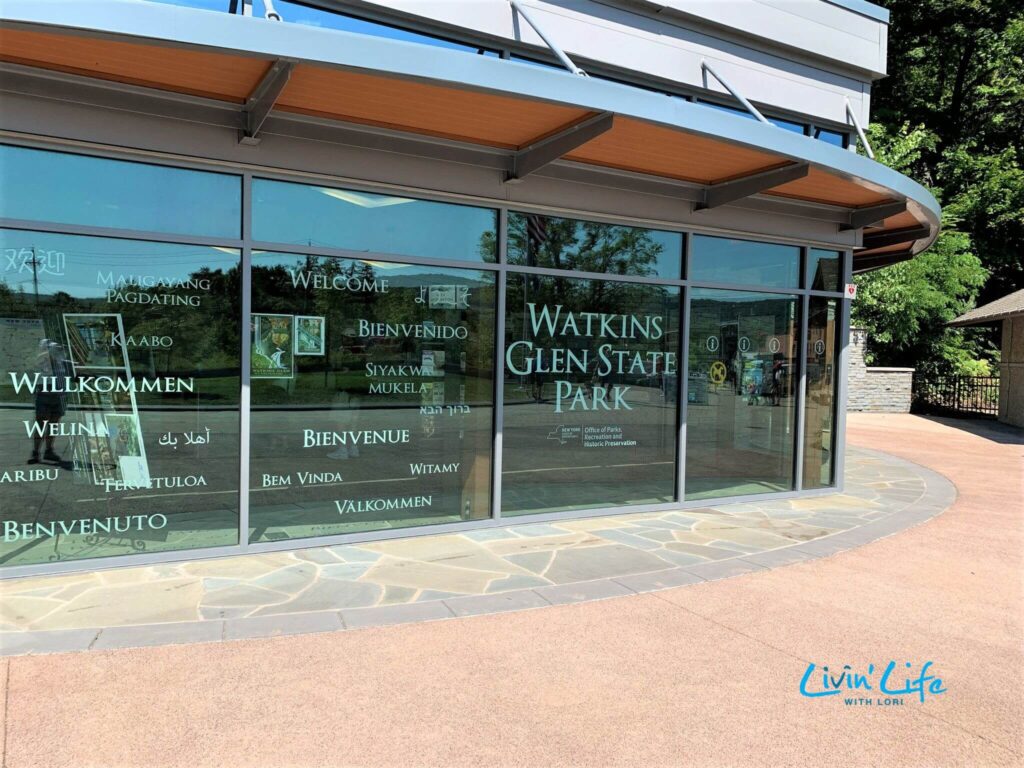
{"x":119,"y":385}
{"x":820,"y":411}
{"x":591,"y":376}
{"x":58,"y":187}
{"x":589,"y":246}
{"x":300,"y":214}
{"x":742,"y":262}
{"x":824,"y":270}
{"x":372,"y":395}
{"x":741,"y":413}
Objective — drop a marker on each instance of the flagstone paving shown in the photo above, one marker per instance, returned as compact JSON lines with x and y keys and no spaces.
{"x":512,"y":566}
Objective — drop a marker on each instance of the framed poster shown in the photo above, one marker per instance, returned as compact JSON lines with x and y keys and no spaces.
{"x":124,"y":437}
{"x":95,"y":341}
{"x":272,"y":349}
{"x":310,"y":335}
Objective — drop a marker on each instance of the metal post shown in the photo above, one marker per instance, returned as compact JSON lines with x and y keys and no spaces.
{"x":839,"y":459}
{"x":708,"y":69}
{"x":566,"y":61}
{"x":683,"y":390}
{"x":245,"y":398}
{"x":801,"y":387}
{"x":499,"y":366}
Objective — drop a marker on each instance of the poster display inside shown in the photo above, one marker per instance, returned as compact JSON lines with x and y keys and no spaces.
{"x":272,"y":354}
{"x":119,"y":391}
{"x":310,"y":335}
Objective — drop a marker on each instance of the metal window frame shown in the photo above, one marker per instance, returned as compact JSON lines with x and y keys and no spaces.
{"x":501,"y":269}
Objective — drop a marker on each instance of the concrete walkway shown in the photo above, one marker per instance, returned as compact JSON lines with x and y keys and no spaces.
{"x":706,"y":674}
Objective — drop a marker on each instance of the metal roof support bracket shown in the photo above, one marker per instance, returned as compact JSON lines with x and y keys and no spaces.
{"x":894,"y":236}
{"x":860,"y":131}
{"x":540,"y":153}
{"x":865,"y":217}
{"x":555,"y":49}
{"x":262,"y":99}
{"x":737,"y":189}
{"x":707,"y":69}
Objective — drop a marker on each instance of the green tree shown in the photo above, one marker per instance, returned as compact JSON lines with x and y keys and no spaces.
{"x":951,"y":114}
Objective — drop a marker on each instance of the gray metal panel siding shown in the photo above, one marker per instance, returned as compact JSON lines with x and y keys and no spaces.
{"x":773,"y":55}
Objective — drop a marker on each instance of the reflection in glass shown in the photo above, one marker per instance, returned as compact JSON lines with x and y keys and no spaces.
{"x":741,"y":404}
{"x":831,"y":137}
{"x":299,"y":13}
{"x":590,"y":384}
{"x":788,"y":125}
{"x":119,"y":384}
{"x":743,"y":262}
{"x":39,"y":185}
{"x":588,"y":246}
{"x":372,"y":395}
{"x":820,"y":410}
{"x":824,"y":270}
{"x":302,"y":214}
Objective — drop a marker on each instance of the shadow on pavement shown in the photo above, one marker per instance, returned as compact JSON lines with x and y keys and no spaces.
{"x":990,"y":429}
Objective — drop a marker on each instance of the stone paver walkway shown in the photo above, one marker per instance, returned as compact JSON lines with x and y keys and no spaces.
{"x":440,"y":576}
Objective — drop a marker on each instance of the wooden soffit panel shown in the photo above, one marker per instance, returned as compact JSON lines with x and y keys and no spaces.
{"x":479,"y":118}
{"x":822,"y":187}
{"x":633,"y":145}
{"x":904,"y":220}
{"x":428,"y":108}
{"x":199,"y":73}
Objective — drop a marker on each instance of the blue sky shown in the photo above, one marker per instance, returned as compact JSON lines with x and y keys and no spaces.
{"x":298,"y":14}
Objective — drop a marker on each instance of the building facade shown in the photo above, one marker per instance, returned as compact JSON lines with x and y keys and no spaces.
{"x":376,"y":269}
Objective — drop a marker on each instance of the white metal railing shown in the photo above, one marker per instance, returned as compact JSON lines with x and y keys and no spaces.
{"x":707,"y":69}
{"x":555,"y":49}
{"x":852,"y":116}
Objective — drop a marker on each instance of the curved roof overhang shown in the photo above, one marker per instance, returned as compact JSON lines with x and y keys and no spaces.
{"x":538,"y":115}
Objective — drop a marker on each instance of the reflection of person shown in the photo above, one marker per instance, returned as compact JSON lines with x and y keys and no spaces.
{"x":777,"y":373}
{"x":49,"y":405}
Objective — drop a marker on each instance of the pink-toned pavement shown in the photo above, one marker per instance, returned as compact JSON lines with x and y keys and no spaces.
{"x":702,"y":675}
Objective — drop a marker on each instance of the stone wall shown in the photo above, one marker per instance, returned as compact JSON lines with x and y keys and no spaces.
{"x":876,"y":390}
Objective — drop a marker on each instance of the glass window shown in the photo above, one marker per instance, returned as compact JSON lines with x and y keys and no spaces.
{"x":741,"y":404}
{"x":788,"y":125}
{"x":738,"y":111}
{"x":824,"y":270}
{"x":831,"y":137}
{"x":820,"y":410}
{"x":38,"y":185}
{"x":538,"y":63}
{"x":591,"y":377}
{"x":372,"y":395}
{"x":724,"y":260}
{"x":119,"y":384}
{"x":298,"y":13}
{"x":588,"y":246}
{"x":368,"y":223}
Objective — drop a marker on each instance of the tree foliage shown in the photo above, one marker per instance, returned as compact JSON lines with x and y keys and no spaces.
{"x":951,"y":115}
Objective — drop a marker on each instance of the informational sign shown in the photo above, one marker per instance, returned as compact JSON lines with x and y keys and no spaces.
{"x":851,"y":291}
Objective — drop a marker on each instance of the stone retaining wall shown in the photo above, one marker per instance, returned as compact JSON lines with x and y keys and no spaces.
{"x":876,"y":390}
